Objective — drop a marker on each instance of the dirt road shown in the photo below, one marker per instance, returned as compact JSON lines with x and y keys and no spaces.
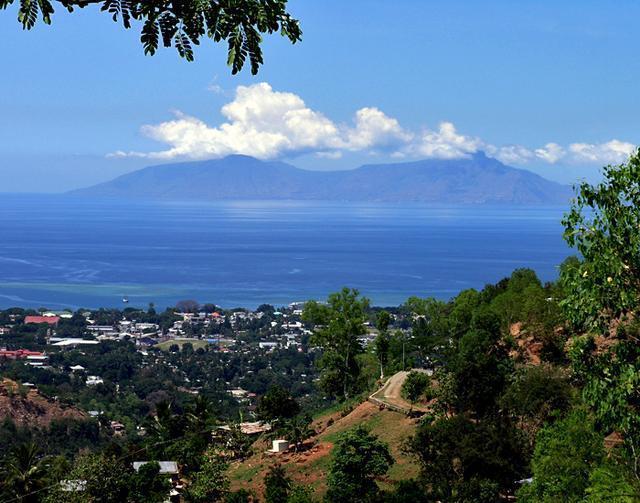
{"x":391,"y":393}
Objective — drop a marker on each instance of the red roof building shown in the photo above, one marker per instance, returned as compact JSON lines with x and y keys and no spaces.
{"x":18,"y":354}
{"x":51,"y":320}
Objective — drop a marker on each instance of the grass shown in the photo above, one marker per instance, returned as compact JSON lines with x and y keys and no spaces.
{"x":311,"y":468}
{"x":197,"y":343}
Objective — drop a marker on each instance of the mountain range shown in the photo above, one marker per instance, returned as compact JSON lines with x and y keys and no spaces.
{"x":475,"y":180}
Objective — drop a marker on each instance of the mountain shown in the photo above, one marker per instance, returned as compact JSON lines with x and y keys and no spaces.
{"x":476,"y":180}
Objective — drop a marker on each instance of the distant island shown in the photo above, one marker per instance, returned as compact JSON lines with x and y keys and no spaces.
{"x":476,"y":180}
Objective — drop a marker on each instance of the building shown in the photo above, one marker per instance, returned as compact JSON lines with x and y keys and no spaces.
{"x":166,"y":467}
{"x":94,"y":380}
{"x":19,"y":354}
{"x":72,"y":342}
{"x":50,"y":320}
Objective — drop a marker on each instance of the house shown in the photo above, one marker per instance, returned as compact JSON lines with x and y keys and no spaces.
{"x":18,"y":354}
{"x":102,"y":330}
{"x":238,"y":393}
{"x":146,"y":341}
{"x":94,"y":380}
{"x":249,"y":428}
{"x":73,"y":342}
{"x":62,"y":314}
{"x":166,"y":467}
{"x":50,"y":320}
{"x":169,"y":468}
{"x":37,"y":360}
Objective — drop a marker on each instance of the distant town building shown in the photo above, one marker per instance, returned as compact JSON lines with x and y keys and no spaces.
{"x":51,"y":320}
{"x":19,"y":354}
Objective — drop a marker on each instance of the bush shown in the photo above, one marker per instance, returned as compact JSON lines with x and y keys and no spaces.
{"x":415,"y":385}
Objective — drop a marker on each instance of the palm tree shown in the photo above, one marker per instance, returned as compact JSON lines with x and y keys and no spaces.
{"x":23,"y":473}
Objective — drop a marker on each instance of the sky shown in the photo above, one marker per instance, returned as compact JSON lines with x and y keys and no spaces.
{"x":548,"y":86}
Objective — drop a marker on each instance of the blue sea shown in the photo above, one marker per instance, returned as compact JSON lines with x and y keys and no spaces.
{"x":59,"y":252}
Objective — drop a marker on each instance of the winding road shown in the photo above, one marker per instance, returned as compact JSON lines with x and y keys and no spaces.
{"x":391,"y":394}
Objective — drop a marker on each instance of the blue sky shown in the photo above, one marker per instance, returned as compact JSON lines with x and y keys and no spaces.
{"x":549,"y":86}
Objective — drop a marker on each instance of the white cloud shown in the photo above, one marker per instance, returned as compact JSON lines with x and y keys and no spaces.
{"x":511,"y":154}
{"x":375,"y":130}
{"x":613,"y":152}
{"x":444,"y":143}
{"x":551,"y":153}
{"x":267,"y":124}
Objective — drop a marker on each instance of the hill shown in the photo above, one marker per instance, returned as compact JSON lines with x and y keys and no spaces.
{"x":476,"y":180}
{"x":27,"y":407}
{"x":310,"y":467}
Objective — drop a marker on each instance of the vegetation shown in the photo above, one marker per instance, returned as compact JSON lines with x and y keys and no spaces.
{"x":358,"y":458}
{"x":533,"y":392}
{"x":415,"y":385}
{"x":339,"y":325}
{"x":183,"y":24}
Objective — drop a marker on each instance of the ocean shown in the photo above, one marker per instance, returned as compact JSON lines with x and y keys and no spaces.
{"x":60,"y":252}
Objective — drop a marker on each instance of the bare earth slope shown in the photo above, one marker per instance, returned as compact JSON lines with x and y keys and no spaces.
{"x":387,"y":420}
{"x":27,"y":407}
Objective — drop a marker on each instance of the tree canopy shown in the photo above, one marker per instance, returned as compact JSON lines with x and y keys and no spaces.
{"x":182,"y":24}
{"x":358,"y":458}
{"x":339,"y":324}
{"x":604,"y":226}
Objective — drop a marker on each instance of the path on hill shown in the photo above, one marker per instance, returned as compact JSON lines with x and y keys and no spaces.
{"x":391,"y":394}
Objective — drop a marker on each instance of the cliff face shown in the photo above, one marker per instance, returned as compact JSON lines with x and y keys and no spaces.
{"x":476,"y":180}
{"x":27,"y":407}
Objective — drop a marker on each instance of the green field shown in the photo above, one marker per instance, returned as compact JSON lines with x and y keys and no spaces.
{"x":197,"y":343}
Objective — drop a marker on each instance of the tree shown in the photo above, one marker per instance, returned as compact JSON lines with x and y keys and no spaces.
{"x":603,"y":224}
{"x":148,"y":485}
{"x":612,"y":482}
{"x":188,"y":306}
{"x":277,"y":404}
{"x":241,"y":496}
{"x":565,"y":454}
{"x":358,"y":458}
{"x":23,"y":473}
{"x":276,"y":485}
{"x":300,"y":494}
{"x":480,"y":366}
{"x":430,"y":329}
{"x":383,"y":320}
{"x":107,"y":480}
{"x":415,"y":385}
{"x":341,"y":324}
{"x":535,"y":394}
{"x":467,"y":460}
{"x":297,"y":430}
{"x":182,"y":24}
{"x":210,"y":483}
{"x":382,"y":342}
{"x":611,"y":385}
{"x":602,"y":292}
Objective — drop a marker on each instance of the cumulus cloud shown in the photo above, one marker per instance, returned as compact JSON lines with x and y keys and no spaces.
{"x":613,"y":151}
{"x":444,"y":143}
{"x":374,"y":129}
{"x":265,"y":123}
